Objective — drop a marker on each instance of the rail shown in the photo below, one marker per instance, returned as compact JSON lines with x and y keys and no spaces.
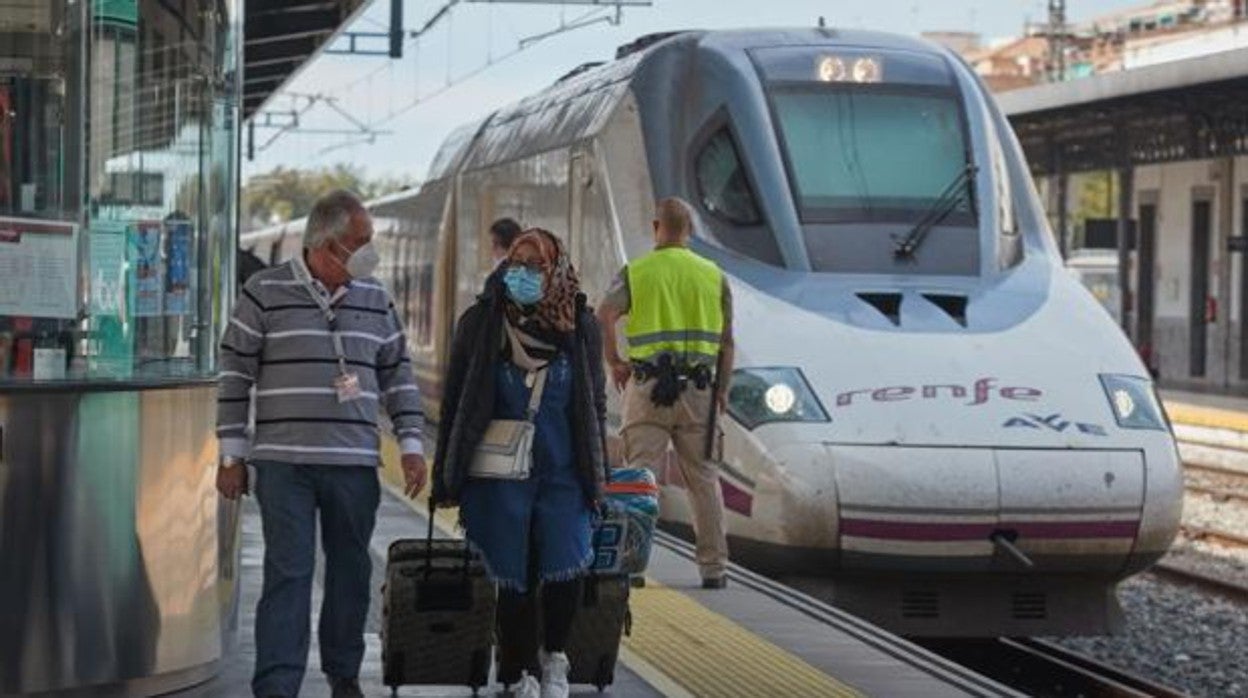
{"x":1042,"y":668}
{"x":1189,"y":577}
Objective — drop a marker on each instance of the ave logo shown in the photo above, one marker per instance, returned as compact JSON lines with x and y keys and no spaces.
{"x":1054,"y":422}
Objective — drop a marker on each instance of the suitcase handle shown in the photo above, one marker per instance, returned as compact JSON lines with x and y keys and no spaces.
{"x":433,"y":508}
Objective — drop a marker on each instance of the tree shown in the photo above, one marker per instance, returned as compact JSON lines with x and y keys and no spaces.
{"x":283,"y":194}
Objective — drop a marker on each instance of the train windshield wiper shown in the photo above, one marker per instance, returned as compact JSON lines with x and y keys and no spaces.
{"x":940,"y":208}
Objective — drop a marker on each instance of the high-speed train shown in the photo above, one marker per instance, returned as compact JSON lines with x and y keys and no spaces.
{"x":928,"y":411}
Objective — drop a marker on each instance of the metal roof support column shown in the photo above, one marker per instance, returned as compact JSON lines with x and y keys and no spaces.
{"x":1242,"y":197}
{"x":1063,"y":205}
{"x":1126,"y":195}
{"x":1225,"y":168}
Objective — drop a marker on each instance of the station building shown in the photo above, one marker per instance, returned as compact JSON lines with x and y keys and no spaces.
{"x":1173,"y":139}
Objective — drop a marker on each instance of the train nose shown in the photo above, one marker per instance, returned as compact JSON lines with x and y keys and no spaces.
{"x":984,"y":509}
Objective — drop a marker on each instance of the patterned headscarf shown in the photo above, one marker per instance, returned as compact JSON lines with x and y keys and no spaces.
{"x":557,"y":309}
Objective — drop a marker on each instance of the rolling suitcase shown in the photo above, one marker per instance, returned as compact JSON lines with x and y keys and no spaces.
{"x":601,"y":622}
{"x":438,"y":606}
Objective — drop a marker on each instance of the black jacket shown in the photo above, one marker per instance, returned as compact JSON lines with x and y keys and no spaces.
{"x":468,"y":396}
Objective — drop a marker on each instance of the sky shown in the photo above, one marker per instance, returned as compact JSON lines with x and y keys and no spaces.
{"x":469,"y":64}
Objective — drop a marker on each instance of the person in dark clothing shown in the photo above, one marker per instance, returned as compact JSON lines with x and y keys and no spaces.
{"x":530,"y":327}
{"x":247,"y":264}
{"x":503,"y":232}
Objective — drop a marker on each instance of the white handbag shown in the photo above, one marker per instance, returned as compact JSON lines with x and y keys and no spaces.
{"x":506,"y":449}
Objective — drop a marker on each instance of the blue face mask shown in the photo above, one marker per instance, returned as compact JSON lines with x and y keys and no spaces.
{"x":524,"y":285}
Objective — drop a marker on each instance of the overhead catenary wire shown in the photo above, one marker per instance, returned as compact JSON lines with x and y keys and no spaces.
{"x":443,"y":16}
{"x":522,"y":44}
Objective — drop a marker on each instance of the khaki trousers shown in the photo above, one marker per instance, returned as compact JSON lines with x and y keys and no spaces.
{"x":647,"y":430}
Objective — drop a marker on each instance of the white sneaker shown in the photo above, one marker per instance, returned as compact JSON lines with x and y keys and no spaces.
{"x":527,"y":687}
{"x":555,"y":668}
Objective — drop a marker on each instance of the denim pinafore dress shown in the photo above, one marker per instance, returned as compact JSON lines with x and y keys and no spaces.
{"x":545,"y":516}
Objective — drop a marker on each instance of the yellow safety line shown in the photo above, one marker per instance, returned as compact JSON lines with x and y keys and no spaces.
{"x":680,"y":647}
{"x":710,"y":655}
{"x":1211,"y":417}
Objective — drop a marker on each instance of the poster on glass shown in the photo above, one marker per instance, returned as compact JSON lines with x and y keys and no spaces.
{"x":147,"y":267}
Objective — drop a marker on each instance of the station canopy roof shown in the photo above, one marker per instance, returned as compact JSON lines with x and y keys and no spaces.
{"x":282,"y":36}
{"x":1191,"y":109}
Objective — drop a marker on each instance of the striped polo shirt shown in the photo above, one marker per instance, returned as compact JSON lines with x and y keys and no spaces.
{"x":279,"y":342}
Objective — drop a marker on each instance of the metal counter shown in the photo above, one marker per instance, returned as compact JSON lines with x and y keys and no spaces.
{"x":117,"y":557}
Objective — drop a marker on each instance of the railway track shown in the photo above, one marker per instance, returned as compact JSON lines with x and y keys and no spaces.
{"x":1048,"y":670}
{"x":1030,"y":666}
{"x":1207,"y":533}
{"x":1213,"y":468}
{"x":1216,"y":585}
{"x":1220,"y":494}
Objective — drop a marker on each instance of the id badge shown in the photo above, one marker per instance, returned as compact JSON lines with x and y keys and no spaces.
{"x":347,"y":385}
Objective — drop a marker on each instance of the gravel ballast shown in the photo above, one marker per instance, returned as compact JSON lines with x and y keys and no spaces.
{"x":1178,"y":635}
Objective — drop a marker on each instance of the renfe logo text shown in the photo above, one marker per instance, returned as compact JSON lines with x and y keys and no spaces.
{"x":980,"y":392}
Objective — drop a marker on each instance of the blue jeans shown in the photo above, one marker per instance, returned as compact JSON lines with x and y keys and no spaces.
{"x":289,"y":496}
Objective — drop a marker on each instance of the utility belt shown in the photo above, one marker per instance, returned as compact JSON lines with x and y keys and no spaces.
{"x":671,"y":378}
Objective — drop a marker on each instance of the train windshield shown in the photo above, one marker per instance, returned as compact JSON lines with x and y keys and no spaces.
{"x":872,"y":156}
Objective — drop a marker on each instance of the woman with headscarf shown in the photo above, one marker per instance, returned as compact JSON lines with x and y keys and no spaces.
{"x":533,"y":534}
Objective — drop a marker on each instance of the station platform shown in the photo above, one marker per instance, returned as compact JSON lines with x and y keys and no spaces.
{"x":1207,"y":410}
{"x":755,"y":638}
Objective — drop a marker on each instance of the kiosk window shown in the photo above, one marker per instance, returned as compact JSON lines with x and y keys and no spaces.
{"x":118,"y":187}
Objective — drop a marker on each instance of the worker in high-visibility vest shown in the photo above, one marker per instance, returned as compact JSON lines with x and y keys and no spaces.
{"x":675,"y":380}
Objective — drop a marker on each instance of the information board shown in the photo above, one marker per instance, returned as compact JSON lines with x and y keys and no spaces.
{"x":38,"y":268}
{"x":177,"y":267}
{"x":147,"y":267}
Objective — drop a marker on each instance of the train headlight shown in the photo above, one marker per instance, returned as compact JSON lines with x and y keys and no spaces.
{"x":832,"y":69}
{"x":780,"y":398}
{"x":764,"y":395}
{"x":867,"y":69}
{"x":838,"y":69}
{"x":1133,"y":402}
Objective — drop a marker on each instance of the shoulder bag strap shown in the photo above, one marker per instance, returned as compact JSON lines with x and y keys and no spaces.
{"x":535,"y":398}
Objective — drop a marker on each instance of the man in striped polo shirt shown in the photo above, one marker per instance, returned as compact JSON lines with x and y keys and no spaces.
{"x":319,"y":340}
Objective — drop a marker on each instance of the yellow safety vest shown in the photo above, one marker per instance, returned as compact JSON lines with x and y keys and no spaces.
{"x":676,"y":307}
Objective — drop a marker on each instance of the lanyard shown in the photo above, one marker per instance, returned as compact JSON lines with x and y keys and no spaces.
{"x":331,"y":318}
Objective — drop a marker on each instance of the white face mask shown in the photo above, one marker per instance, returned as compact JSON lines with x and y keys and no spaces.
{"x":363,"y":262}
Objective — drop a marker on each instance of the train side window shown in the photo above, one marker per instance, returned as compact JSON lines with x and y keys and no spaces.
{"x":722,"y":183}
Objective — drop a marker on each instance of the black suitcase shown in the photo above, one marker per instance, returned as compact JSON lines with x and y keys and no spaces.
{"x":437,"y":625}
{"x":601,"y":622}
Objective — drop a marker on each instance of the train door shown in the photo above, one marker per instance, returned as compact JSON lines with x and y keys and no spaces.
{"x":601,"y":254}
{"x":446,"y":272}
{"x":1146,"y":289}
{"x":1198,"y":325}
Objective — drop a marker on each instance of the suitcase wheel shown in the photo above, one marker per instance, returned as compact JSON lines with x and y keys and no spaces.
{"x":480,"y":670}
{"x":605,"y":675}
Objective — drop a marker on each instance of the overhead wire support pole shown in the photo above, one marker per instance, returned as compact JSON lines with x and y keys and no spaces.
{"x":1057,"y":40}
{"x":393,"y":37}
